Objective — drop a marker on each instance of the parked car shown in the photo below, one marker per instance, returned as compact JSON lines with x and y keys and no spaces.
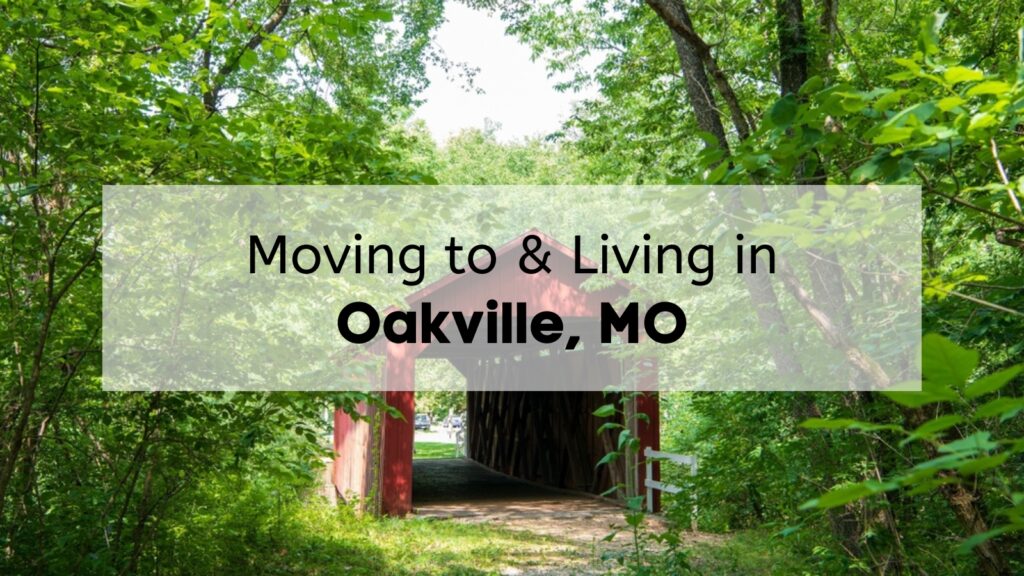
{"x":421,"y":422}
{"x":457,"y":422}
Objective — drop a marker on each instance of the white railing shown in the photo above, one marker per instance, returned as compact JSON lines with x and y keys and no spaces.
{"x":682,"y":459}
{"x":460,"y":443}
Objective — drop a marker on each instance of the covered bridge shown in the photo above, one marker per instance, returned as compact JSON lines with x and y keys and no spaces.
{"x":516,"y":424}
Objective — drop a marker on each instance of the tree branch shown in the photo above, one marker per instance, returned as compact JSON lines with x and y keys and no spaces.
{"x":1002,"y":174}
{"x":675,"y":16}
{"x":833,"y":333}
{"x":212,"y":94}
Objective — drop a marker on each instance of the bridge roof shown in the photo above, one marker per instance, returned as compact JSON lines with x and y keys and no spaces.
{"x":559,"y":291}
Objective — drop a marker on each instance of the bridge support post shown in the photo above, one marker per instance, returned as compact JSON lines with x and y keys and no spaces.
{"x":396,"y":452}
{"x":649,"y":431}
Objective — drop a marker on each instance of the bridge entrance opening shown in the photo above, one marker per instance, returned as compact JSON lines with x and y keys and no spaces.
{"x":530,"y":408}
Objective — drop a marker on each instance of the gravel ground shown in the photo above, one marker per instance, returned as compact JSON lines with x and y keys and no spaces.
{"x":464,"y":491}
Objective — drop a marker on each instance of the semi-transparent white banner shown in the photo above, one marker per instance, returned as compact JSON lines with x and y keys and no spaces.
{"x":518,"y":288}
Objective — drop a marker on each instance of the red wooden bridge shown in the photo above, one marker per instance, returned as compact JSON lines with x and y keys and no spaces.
{"x":515,"y":425}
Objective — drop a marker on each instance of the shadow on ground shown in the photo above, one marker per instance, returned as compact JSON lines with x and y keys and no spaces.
{"x":463,"y":490}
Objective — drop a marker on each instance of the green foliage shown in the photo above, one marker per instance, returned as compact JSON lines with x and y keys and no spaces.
{"x":475,"y":156}
{"x":651,"y":552}
{"x":960,"y":447}
{"x":262,"y":529}
{"x":925,"y":100}
{"x":227,"y":92}
{"x":141,"y":92}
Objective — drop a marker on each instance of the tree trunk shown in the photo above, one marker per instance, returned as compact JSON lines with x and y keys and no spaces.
{"x":698,"y":88}
{"x":759,"y":286}
{"x":965,"y":504}
{"x":793,"y":46}
{"x":676,"y":17}
{"x":827,"y":24}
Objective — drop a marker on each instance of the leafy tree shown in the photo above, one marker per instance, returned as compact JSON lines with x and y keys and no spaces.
{"x":141,"y":92}
{"x":812,"y":93}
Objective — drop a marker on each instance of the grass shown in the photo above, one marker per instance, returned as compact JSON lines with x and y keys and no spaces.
{"x":325,"y":541}
{"x":260,"y":534}
{"x":755,"y":552}
{"x":257,"y":531}
{"x":433,"y":450}
{"x":317,"y":539}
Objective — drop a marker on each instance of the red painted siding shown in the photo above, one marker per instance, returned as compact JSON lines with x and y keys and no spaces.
{"x":396,"y":453}
{"x":558,"y":292}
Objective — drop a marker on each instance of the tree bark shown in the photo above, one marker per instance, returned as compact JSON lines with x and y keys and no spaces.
{"x":966,"y":505}
{"x":689,"y":46}
{"x":698,"y":88}
{"x":674,"y":14}
{"x":963,"y":503}
{"x":793,"y":46}
{"x":827,"y":24}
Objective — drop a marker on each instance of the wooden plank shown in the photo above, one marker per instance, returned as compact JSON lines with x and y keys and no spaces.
{"x":396,"y":471}
{"x":684,"y":459}
{"x":658,"y":485}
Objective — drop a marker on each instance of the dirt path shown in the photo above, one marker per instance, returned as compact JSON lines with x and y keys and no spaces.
{"x":464,"y":491}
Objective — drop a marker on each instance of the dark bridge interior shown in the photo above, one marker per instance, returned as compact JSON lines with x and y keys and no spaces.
{"x":544,"y":437}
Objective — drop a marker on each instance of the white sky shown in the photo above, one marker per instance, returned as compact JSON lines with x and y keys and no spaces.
{"x":516,"y":92}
